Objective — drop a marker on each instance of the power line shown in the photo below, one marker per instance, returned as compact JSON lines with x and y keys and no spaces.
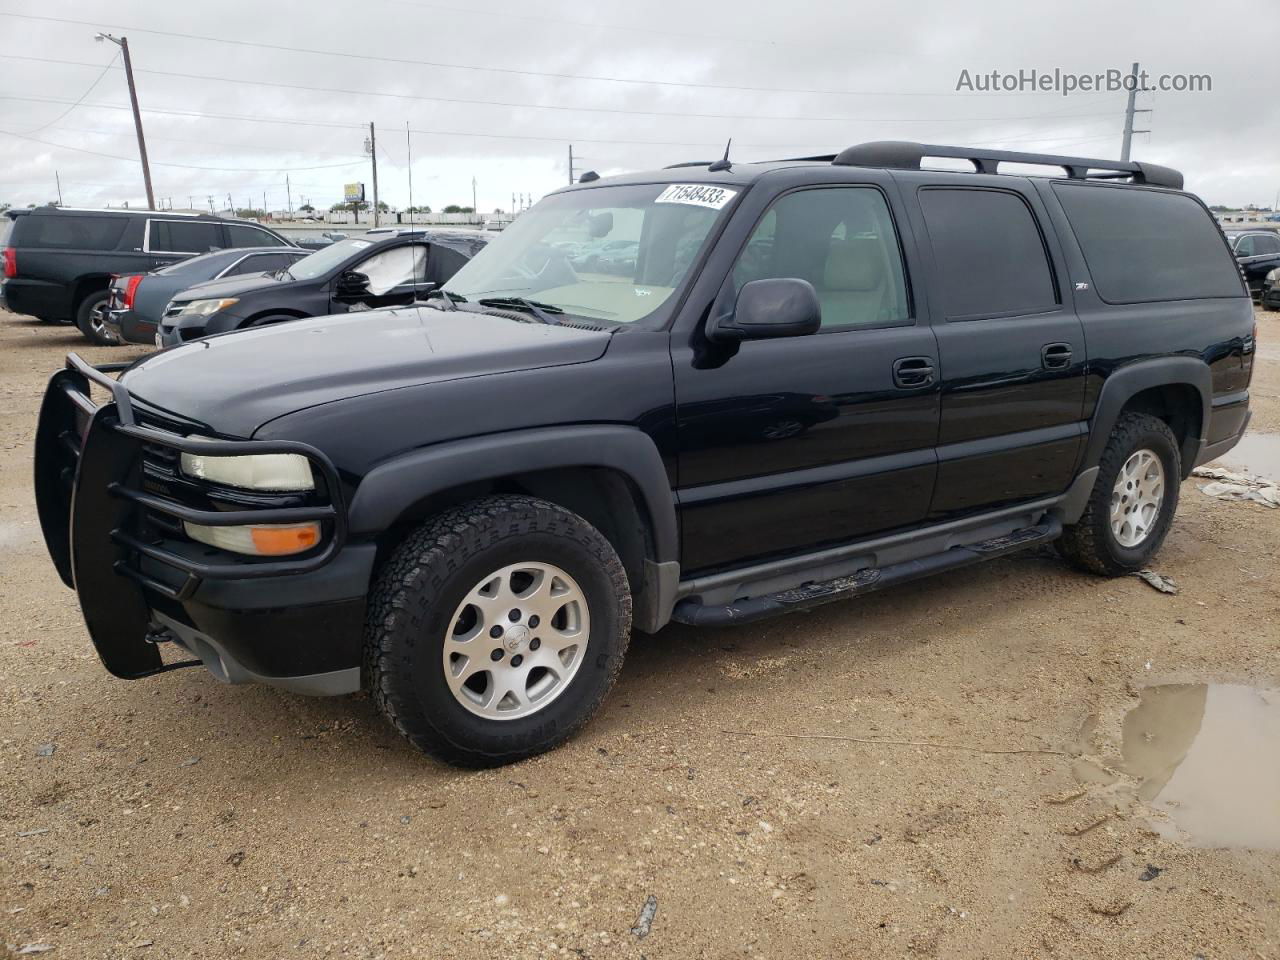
{"x":89,"y":90}
{"x":185,"y":166}
{"x":404,"y":61}
{"x":540,"y":106}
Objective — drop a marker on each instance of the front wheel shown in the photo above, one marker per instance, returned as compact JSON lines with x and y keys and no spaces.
{"x":496,"y":629}
{"x":1133,"y":500}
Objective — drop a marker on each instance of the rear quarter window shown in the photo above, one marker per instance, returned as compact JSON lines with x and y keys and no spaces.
{"x":72,"y":232}
{"x":1147,"y":245}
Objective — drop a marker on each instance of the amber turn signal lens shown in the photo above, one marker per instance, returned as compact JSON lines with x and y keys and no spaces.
{"x":282,"y":540}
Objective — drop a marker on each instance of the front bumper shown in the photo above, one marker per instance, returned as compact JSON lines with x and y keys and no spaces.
{"x":115,"y":537}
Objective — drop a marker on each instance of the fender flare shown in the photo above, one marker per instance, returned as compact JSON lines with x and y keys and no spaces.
{"x":1128,"y":381}
{"x":393,"y":487}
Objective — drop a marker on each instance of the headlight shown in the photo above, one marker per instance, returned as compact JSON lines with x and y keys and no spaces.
{"x":205,"y":308}
{"x":278,"y":472}
{"x":263,"y":540}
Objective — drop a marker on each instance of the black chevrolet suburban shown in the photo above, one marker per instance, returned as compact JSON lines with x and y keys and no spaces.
{"x":58,"y":261}
{"x":821,"y":377}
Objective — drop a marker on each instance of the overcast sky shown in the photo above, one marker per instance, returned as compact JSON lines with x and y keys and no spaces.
{"x":818,"y":76}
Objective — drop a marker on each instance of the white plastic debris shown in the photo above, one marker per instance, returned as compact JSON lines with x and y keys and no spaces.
{"x":1229,"y":485}
{"x":1158,"y":581}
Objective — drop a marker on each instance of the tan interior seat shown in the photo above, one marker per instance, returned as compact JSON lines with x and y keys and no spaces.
{"x":853,"y":282}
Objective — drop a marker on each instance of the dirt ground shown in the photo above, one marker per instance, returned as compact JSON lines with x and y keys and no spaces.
{"x":178,"y":817}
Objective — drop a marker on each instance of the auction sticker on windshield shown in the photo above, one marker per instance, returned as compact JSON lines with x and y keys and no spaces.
{"x":698,"y":194}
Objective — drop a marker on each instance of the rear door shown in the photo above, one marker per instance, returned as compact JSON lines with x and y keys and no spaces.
{"x":168,"y":241}
{"x":1011,"y":347}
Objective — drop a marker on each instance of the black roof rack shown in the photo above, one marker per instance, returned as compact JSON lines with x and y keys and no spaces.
{"x":904,"y":155}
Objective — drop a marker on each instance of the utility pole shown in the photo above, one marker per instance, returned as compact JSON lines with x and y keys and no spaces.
{"x":475,"y":212}
{"x":571,"y":164}
{"x":57,"y":179}
{"x":123,"y":44}
{"x":373,"y":155}
{"x":1129,"y":111}
{"x":288,"y":194}
{"x":211,"y":210}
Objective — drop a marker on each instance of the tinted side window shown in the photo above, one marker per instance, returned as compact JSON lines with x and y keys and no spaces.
{"x":73,"y":232}
{"x":244,"y":236}
{"x":840,"y":239}
{"x":990,"y":255}
{"x":178,"y":236}
{"x":259,"y":263}
{"x":1144,"y":245}
{"x":1265,"y":245}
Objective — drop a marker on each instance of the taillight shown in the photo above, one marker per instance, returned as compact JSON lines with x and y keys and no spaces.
{"x":130,"y":288}
{"x":10,"y":262}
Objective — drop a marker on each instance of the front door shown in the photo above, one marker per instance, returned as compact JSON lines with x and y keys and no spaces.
{"x":1258,"y":254}
{"x":392,"y":277}
{"x":1011,"y":345}
{"x":787,"y":445}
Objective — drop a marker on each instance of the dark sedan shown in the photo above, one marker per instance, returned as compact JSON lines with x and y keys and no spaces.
{"x":382,"y":268}
{"x":1257,"y":252}
{"x":137,"y":300}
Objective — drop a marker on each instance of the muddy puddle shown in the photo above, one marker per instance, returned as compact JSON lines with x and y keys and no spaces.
{"x":1257,"y":454}
{"x":1207,"y":756}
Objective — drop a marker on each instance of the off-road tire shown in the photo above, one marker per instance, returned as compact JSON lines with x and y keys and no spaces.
{"x":1089,"y":543}
{"x":84,"y":318}
{"x":419,"y":588}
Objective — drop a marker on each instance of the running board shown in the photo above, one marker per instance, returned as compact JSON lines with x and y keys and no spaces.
{"x":809,"y":595}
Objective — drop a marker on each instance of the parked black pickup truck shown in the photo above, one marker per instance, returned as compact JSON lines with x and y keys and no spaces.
{"x":822,"y":377}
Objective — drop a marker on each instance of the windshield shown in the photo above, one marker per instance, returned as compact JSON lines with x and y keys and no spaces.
{"x":326,"y":258}
{"x":615,"y":254}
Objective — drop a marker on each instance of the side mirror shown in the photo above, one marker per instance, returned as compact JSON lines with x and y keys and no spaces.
{"x":352,"y":283}
{"x":778,"y":307}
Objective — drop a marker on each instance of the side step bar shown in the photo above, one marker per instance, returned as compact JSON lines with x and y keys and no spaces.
{"x":810,"y":595}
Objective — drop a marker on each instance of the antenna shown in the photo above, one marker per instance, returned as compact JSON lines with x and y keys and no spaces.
{"x":723,"y":163}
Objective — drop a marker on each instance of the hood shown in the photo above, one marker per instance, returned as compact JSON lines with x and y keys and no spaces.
{"x":236,"y":286}
{"x":236,"y":382}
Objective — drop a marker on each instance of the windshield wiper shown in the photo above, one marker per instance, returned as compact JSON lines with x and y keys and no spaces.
{"x":543,"y":311}
{"x":453,"y":299}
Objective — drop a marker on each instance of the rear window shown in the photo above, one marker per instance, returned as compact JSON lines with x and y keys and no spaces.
{"x":990,"y":254}
{"x":184,"y":236}
{"x":72,"y":231}
{"x":1145,"y":245}
{"x":246,"y":236}
{"x":6,"y":228}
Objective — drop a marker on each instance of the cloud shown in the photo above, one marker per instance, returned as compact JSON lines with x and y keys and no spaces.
{"x":888,"y":72}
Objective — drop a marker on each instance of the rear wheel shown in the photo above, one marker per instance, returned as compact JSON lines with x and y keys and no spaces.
{"x":1133,"y":500}
{"x":496,"y":629}
{"x":91,"y":319}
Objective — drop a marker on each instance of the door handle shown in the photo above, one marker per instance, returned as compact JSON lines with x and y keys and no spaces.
{"x":1055,"y":356}
{"x":913,"y":372}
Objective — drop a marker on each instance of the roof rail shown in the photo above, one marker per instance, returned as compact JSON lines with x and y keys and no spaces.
{"x":905,"y":155}
{"x":689,"y":163}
